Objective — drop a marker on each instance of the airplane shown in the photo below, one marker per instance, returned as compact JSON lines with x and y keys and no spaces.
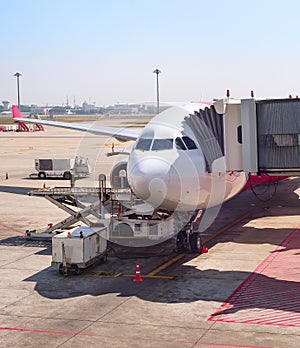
{"x":177,"y":163}
{"x":24,"y":128}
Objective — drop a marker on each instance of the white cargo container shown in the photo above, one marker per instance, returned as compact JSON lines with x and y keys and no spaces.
{"x":62,"y":167}
{"x":79,"y":248}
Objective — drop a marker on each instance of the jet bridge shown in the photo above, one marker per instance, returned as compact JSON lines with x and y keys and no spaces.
{"x":259,"y":136}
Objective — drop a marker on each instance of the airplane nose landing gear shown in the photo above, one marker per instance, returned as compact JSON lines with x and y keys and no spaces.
{"x":190,"y":242}
{"x":189,"y":239}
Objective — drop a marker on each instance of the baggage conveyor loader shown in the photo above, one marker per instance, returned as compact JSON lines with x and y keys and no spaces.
{"x":64,"y":198}
{"x":127,"y":218}
{"x":75,"y":248}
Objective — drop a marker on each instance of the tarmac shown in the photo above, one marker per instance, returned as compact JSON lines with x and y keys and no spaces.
{"x":244,"y":292}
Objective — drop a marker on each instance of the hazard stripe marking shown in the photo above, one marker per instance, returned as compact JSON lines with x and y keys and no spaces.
{"x":271,"y":294}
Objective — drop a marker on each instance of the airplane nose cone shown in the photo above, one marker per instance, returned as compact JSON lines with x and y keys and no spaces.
{"x":149,"y":180}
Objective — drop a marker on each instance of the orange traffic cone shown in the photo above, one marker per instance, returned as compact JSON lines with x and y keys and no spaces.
{"x":137,"y":278}
{"x":6,"y":176}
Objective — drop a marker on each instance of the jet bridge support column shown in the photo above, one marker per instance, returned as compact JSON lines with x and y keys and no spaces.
{"x":249,"y":136}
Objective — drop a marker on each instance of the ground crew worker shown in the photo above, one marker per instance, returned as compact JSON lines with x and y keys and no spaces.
{"x":72,"y":180}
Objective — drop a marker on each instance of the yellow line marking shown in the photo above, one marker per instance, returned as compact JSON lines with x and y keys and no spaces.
{"x":117,"y":274}
{"x":165,"y":265}
{"x":151,"y":276}
{"x":99,"y":273}
{"x":238,"y":220}
{"x":226,"y":227}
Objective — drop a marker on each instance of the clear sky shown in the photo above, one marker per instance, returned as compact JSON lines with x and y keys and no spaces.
{"x":105,"y":51}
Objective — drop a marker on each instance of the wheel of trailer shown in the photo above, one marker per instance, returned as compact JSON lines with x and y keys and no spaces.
{"x":67,"y":175}
{"x":75,"y":269}
{"x":60,"y":269}
{"x":42,"y":175}
{"x":195,"y":242}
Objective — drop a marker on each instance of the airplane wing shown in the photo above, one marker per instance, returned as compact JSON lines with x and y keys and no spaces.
{"x":122,"y":134}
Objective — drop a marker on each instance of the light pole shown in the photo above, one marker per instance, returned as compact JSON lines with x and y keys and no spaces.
{"x":17,"y":74}
{"x":157,"y":72}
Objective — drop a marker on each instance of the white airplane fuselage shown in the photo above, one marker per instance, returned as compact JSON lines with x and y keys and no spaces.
{"x":167,"y":168}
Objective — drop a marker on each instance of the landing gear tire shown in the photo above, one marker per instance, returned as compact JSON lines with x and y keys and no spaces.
{"x":191,"y":243}
{"x":195,"y":243}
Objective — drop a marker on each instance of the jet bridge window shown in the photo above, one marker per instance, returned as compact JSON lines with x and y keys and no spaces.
{"x":162,"y":144}
{"x":189,"y":143}
{"x":143,"y":144}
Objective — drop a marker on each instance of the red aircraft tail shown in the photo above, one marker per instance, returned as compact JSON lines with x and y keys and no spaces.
{"x":16,"y":113}
{"x":17,"y":116}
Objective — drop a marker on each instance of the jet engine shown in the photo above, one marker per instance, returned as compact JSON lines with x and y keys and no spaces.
{"x":118,"y":175}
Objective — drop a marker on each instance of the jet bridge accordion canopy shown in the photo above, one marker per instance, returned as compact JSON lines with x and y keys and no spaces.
{"x":278,"y":135}
{"x":207,"y":126}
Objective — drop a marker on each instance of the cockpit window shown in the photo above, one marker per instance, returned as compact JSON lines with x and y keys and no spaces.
{"x":179,"y":144}
{"x":144,"y":144}
{"x":189,"y":143}
{"x":162,"y":144}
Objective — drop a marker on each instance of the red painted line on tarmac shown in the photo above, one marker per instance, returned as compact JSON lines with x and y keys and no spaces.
{"x":240,"y":306}
{"x":21,"y":329}
{"x":13,"y":229}
{"x":229,"y":345}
